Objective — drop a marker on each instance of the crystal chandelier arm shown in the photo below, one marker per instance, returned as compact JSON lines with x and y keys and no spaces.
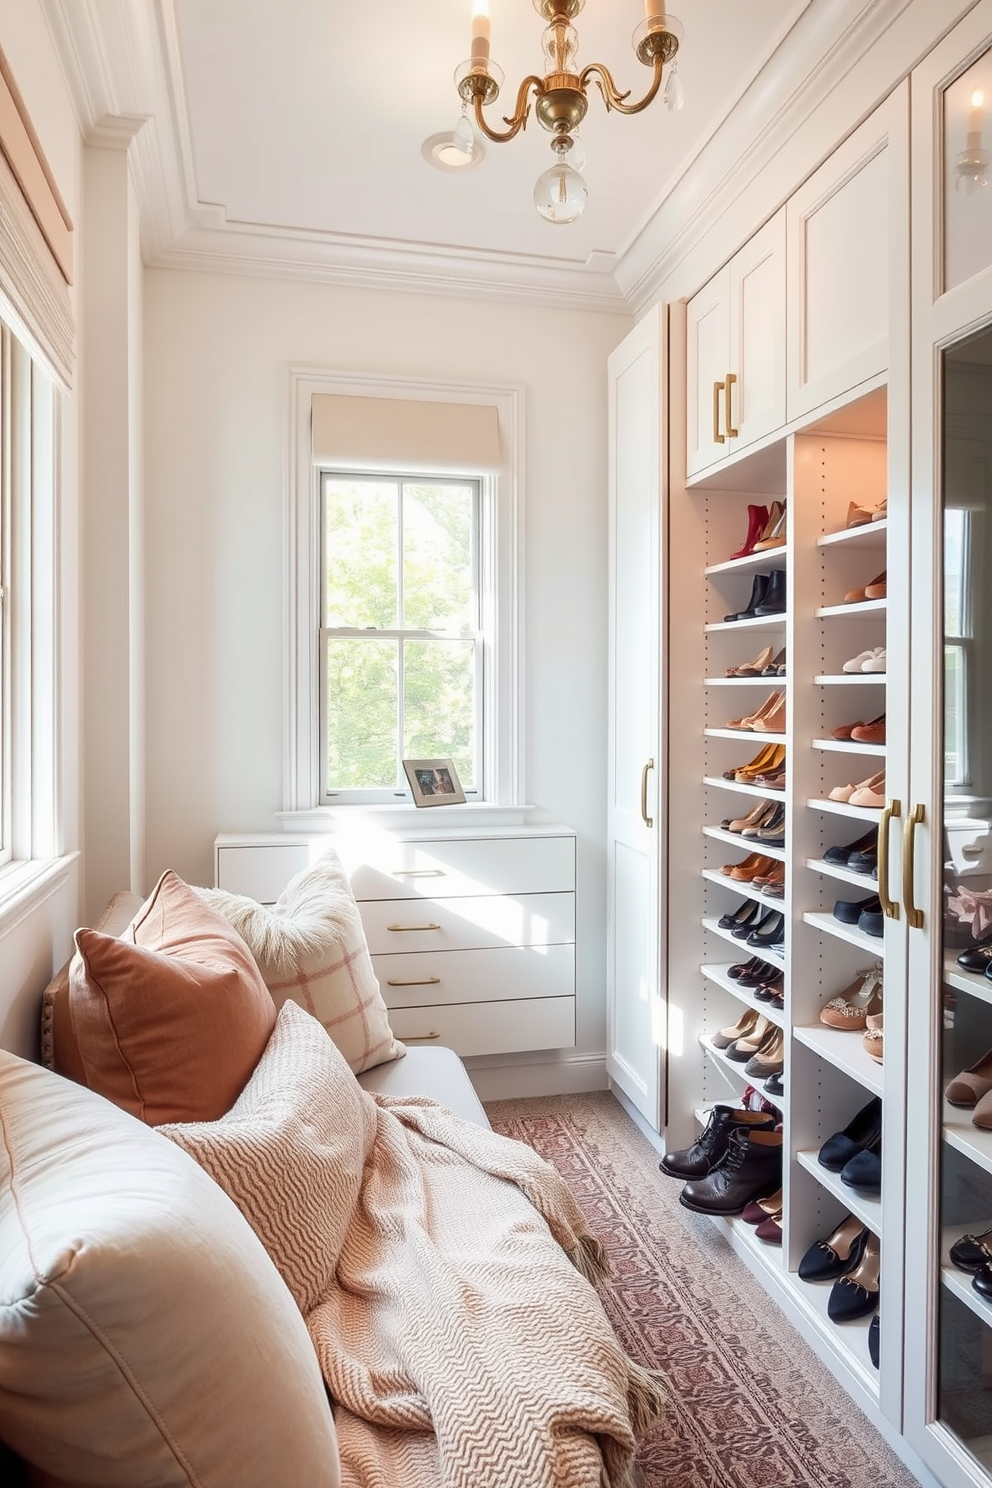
{"x":518,"y":120}
{"x":615,"y":99}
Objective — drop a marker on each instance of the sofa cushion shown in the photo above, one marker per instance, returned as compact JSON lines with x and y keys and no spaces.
{"x":172,"y":1018}
{"x":310,"y":947}
{"x":435,"y":1072}
{"x":145,"y":1336}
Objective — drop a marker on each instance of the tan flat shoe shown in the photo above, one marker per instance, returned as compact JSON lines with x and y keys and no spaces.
{"x":869,"y":792}
{"x":772,"y":722}
{"x":748,"y":722}
{"x":756,"y":667}
{"x":871,"y":1039}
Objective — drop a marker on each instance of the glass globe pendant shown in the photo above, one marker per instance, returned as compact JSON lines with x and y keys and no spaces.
{"x":560,"y":194}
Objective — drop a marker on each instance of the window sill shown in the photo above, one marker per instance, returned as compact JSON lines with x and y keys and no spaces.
{"x":334,"y":818}
{"x":25,"y":885}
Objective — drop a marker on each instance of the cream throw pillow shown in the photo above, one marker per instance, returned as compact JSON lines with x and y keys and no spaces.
{"x":310,"y":948}
{"x":145,"y":1335}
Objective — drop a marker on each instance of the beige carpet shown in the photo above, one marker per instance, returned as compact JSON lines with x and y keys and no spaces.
{"x":752,"y":1406}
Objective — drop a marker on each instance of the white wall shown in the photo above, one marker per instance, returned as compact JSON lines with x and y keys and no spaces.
{"x":217,"y":352}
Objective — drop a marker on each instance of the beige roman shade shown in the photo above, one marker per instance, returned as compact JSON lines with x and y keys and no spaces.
{"x":404,"y":434}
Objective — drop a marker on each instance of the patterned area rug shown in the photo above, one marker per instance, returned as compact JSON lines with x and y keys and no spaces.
{"x":752,"y":1406}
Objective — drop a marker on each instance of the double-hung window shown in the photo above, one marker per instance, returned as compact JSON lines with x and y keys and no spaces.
{"x":402,"y":642}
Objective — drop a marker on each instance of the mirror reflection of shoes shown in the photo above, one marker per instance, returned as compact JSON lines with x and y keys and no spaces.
{"x":969,"y":1086}
{"x":972,"y":1252}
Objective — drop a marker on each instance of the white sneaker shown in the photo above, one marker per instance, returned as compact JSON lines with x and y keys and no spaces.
{"x":856,"y":663}
{"x":876,"y":662}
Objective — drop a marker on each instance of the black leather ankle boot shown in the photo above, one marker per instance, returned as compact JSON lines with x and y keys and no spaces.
{"x":710,"y":1146}
{"x":773,"y":600}
{"x":750,"y":1168}
{"x":758,"y":590}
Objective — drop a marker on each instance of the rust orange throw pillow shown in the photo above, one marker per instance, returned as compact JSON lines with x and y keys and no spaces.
{"x":172,"y":1018}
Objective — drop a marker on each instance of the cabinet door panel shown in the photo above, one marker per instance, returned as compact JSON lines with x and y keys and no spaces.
{"x":708,"y":362}
{"x":843,"y":225}
{"x":756,"y":402}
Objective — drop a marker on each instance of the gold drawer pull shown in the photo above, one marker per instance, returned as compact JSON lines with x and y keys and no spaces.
{"x":430,"y":981}
{"x":418,"y":873}
{"x":413,"y":927}
{"x":413,"y":1037}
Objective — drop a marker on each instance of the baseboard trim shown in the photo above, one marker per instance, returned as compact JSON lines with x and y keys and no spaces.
{"x":655,"y":1138}
{"x":508,"y":1079}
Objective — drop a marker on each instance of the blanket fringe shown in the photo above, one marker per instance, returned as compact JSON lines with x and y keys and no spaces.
{"x":646,"y":1398}
{"x":589,"y":1259}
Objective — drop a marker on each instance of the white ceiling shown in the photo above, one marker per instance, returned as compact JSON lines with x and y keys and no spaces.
{"x":283,"y":137}
{"x":310,"y":114}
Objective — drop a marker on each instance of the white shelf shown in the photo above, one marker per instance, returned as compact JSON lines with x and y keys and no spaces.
{"x":718,"y":783}
{"x":745,"y":890}
{"x":847,"y":746}
{"x":849,"y":1339}
{"x":971,"y":1141}
{"x":752,"y":844}
{"x":863,"y":607}
{"x":760,"y":622}
{"x":834,"y":870}
{"x":718,"y":975}
{"x":769,"y":682}
{"x":710,"y":924}
{"x":976,"y":984}
{"x":844,"y":1050}
{"x":869,"y":535}
{"x":841,"y":808}
{"x":729,"y":733}
{"x":872,"y":944}
{"x":850,"y":679}
{"x":867,"y":1209}
{"x":753,"y":563}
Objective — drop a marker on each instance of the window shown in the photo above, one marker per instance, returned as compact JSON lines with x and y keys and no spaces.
{"x":402,"y":644}
{"x":402,"y":588}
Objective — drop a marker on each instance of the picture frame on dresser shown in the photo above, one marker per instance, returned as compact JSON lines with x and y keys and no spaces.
{"x":434,"y":782}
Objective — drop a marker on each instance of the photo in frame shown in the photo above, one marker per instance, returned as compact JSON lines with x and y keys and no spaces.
{"x":433,"y":782}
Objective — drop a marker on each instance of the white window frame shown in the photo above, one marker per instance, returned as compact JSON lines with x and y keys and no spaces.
{"x":501,"y":529}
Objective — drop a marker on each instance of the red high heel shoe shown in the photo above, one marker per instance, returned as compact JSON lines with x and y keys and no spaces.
{"x":757,"y":520}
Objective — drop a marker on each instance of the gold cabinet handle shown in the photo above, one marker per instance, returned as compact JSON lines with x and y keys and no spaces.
{"x":718,"y":438}
{"x":430,"y":981}
{"x":418,"y":873}
{"x":647,"y":820}
{"x":889,"y":905}
{"x":732,"y":433}
{"x":913,"y":820}
{"x":410,"y":1038}
{"x":402,"y":929}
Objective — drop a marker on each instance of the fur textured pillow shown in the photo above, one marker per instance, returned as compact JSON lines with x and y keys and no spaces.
{"x":310,"y":948}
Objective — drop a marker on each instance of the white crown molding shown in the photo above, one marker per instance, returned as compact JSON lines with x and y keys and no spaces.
{"x":123,"y":63}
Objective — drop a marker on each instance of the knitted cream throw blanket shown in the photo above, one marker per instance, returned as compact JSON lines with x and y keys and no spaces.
{"x":441,"y":1270}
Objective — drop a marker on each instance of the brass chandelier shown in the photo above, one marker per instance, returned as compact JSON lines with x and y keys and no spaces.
{"x":560,"y":97}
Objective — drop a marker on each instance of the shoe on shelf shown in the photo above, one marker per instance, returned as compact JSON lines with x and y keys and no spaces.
{"x":871,"y":1039}
{"x":771,"y":987}
{"x":745,"y":1024}
{"x":757,"y":521}
{"x":769,"y":1059}
{"x":749,"y":868}
{"x":776,"y":667}
{"x":855,"y":1295}
{"x":869,"y":733}
{"x":753,"y":817}
{"x":864,"y":1171}
{"x":773,"y":601}
{"x":709,"y":1147}
{"x":771,"y":782}
{"x":842,"y":855}
{"x":981,"y":1116}
{"x":775,"y":1086}
{"x":977,"y":957}
{"x":968,"y":1087}
{"x":769,"y":933}
{"x":870,"y":792}
{"x":771,"y":825}
{"x":759,"y":1209}
{"x":876,"y":662}
{"x":741,"y":1050}
{"x":859,"y":516}
{"x":772,"y":765}
{"x":770,"y":1229}
{"x":770,"y":880}
{"x":981,"y":1282}
{"x":972,"y":1252}
{"x":864,"y":1128}
{"x":872,"y":922}
{"x":850,"y":1008}
{"x":744,"y":914}
{"x":751,"y":720}
{"x":774,"y":533}
{"x":758,"y":974}
{"x":874,"y":590}
{"x":759,"y":588}
{"x":881,"y":511}
{"x":857,"y":663}
{"x":772,"y":721}
{"x":743,"y":968}
{"x":864,"y":862}
{"x":750,"y":1167}
{"x":825,"y":1260}
{"x":849,"y":911}
{"x":764,"y":757}
{"x":754,"y":668}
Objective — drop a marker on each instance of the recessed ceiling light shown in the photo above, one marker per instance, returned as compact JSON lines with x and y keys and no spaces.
{"x":444,"y":154}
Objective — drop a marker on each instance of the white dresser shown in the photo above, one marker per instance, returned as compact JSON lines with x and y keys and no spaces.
{"x":471,"y":931}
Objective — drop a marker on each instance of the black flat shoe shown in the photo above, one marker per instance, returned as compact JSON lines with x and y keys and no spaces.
{"x":849,"y":911}
{"x":864,"y":1171}
{"x":774,"y":1086}
{"x":864,"y":862}
{"x":839,"y":1253}
{"x":769,"y":932}
{"x":860,"y":1132}
{"x":972,"y":1252}
{"x":744,"y":914}
{"x":758,"y":975}
{"x":872,"y":922}
{"x":981,"y":1282}
{"x":842,"y":855}
{"x":873,"y":1331}
{"x":977,"y":957}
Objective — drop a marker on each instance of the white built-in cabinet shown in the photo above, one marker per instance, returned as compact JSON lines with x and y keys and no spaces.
{"x":636,"y":763}
{"x":735,"y":338}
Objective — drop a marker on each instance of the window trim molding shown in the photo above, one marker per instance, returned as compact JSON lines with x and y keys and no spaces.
{"x":301,"y":775}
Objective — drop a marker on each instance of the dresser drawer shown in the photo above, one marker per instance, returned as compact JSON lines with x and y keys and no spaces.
{"x":455,"y":868}
{"x":504,"y":975}
{"x":260,"y":872}
{"x":402,"y":925}
{"x":494,"y":1028}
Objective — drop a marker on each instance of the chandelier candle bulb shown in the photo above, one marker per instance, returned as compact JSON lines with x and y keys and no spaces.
{"x":976,"y":118}
{"x":481,"y":31}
